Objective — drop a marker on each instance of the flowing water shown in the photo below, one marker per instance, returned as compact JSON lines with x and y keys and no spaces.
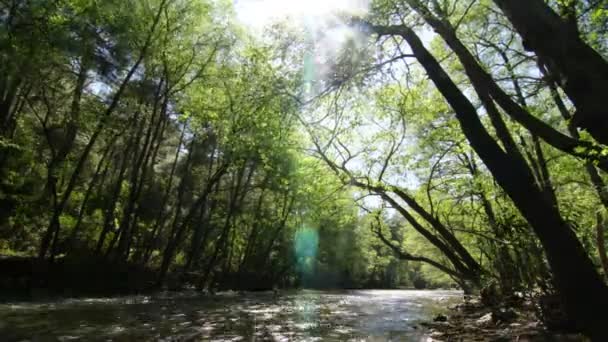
{"x":306,"y":315}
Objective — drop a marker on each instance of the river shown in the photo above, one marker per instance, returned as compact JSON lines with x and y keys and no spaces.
{"x":304,"y":315}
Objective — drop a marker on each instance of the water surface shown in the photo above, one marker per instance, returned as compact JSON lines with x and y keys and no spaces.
{"x":365,"y":315}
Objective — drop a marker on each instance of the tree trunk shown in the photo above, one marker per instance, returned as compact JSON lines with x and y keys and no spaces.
{"x":504,"y":264}
{"x":179,"y":230}
{"x":233,"y":206}
{"x":138,"y":175}
{"x":601,"y":243}
{"x":287,"y":208}
{"x":579,"y":70}
{"x":98,"y":173}
{"x":201,"y":230}
{"x":252,"y":236}
{"x":161,"y":217}
{"x":108,"y":222}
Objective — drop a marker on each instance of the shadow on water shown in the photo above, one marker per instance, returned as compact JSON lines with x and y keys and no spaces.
{"x":377,"y":315}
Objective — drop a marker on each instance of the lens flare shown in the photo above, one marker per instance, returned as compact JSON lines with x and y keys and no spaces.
{"x":306,"y":245}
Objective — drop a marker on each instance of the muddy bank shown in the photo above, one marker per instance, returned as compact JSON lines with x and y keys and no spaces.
{"x":472,"y":321}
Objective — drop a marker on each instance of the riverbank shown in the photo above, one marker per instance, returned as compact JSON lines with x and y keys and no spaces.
{"x":472,"y":321}
{"x":28,"y":278}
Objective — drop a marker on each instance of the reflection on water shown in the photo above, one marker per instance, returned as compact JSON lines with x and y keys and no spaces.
{"x":373,"y":315}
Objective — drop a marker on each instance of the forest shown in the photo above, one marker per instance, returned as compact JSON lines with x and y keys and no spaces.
{"x":149,"y":144}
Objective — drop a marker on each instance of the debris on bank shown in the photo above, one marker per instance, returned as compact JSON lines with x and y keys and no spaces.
{"x":473,"y":321}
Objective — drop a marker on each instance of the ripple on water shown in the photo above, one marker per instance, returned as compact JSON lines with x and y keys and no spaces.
{"x":293,"y":315}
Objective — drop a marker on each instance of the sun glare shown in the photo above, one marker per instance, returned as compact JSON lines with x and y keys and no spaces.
{"x":259,"y":13}
{"x":324,"y":21}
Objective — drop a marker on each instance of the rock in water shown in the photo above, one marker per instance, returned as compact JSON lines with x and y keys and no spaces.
{"x":504,"y":315}
{"x":440,"y":318}
{"x":485,"y":320}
